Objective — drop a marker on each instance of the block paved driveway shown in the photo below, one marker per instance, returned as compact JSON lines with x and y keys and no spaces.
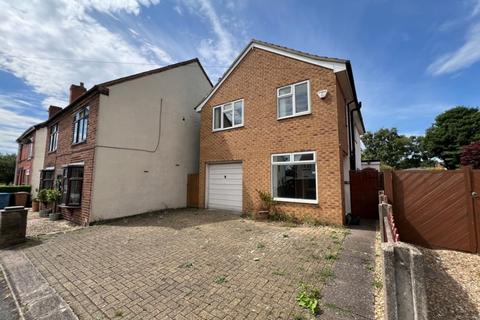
{"x":185,"y":264}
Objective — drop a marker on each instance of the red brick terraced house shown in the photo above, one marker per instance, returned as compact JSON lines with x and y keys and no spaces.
{"x":281,"y":121}
{"x":126,"y":146}
{"x":30,"y":156}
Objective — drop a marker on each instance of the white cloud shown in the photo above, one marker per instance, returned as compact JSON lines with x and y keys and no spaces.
{"x":53,"y":44}
{"x":224,"y":47}
{"x":467,"y":54}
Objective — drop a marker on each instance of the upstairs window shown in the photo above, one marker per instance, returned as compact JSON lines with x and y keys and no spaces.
{"x":293,"y":100}
{"x":294,"y":177}
{"x":72,"y":185}
{"x":228,"y":115}
{"x":30,"y":150}
{"x":47,"y":179}
{"x":80,"y":125}
{"x":53,"y":142}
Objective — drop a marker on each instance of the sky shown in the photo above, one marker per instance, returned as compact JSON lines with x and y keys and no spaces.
{"x":411,"y":59}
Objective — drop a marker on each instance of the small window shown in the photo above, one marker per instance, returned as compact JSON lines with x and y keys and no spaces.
{"x":293,"y":100}
{"x":294,"y":177}
{"x":72,"y":186}
{"x":53,"y":142}
{"x":30,"y":150}
{"x":47,"y":179}
{"x":228,"y":115}
{"x":80,"y":125}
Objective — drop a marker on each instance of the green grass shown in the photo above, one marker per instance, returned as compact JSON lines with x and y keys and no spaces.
{"x":220,"y":280}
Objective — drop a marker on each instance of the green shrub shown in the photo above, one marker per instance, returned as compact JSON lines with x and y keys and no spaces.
{"x":43,"y":196}
{"x":13,"y":189}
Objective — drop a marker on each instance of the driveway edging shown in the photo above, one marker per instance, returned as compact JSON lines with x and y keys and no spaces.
{"x":31,"y":290}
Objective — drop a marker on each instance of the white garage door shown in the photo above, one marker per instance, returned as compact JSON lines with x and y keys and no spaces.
{"x":225,"y":186}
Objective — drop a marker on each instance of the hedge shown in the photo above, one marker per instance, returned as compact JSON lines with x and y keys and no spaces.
{"x":12,"y":189}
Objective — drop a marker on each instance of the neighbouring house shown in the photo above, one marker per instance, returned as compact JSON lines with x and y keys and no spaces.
{"x":282,"y":121}
{"x":126,"y":146}
{"x":372,"y":164}
{"x":30,"y":156}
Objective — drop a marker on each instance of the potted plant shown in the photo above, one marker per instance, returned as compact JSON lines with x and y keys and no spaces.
{"x":53,"y":196}
{"x":266,"y":206}
{"x":35,"y":205}
{"x":43,"y":199}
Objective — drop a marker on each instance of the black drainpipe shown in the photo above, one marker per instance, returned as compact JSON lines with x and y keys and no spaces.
{"x":352,"y":137}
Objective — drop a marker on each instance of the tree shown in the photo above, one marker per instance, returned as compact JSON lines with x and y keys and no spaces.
{"x":385,"y":145}
{"x":452,"y":130}
{"x":395,"y":150}
{"x":471,"y":155}
{"x":7,"y":168}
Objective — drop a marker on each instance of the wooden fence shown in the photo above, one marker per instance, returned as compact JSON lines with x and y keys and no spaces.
{"x":192,"y":191}
{"x":436,"y":209}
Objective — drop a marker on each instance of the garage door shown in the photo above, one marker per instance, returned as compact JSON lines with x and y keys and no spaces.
{"x":225,"y":186}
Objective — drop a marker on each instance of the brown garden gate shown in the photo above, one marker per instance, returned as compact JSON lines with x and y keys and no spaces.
{"x":364,"y":187}
{"x":192,"y":190}
{"x":436,"y":209}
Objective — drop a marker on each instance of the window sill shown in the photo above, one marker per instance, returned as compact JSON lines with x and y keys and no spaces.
{"x":223,"y":129}
{"x":68,"y":206}
{"x":53,"y":151}
{"x":79,"y":143}
{"x":296,"y":200}
{"x":295,"y":115}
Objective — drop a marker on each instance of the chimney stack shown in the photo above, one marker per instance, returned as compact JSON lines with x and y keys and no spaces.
{"x":53,"y":110}
{"x":76,"y":91}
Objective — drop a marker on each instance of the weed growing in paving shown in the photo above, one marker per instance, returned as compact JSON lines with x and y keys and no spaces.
{"x":279,"y":273}
{"x":331,"y":256}
{"x":260,"y":245}
{"x":119,"y":313}
{"x":186,"y":265}
{"x":326,"y":274}
{"x":308,"y":298}
{"x":377,"y":284}
{"x":220,"y":280}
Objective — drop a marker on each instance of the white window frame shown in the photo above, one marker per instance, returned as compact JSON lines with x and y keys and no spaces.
{"x":80,"y":118}
{"x":53,"y":138}
{"x":30,"y":150}
{"x":292,"y":94}
{"x":222,"y":106}
{"x":291,"y":161}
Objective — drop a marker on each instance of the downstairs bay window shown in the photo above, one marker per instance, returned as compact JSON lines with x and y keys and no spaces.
{"x":294,"y":177}
{"x":72,"y":186}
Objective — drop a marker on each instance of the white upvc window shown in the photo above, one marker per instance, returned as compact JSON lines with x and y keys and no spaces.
{"x":294,"y":177}
{"x":293,"y":100}
{"x":53,"y":142}
{"x":228,"y":115}
{"x":30,"y":150}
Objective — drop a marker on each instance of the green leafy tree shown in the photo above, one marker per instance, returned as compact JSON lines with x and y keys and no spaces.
{"x":395,"y":150}
{"x":7,"y":168}
{"x":385,"y":145}
{"x":452,"y":130}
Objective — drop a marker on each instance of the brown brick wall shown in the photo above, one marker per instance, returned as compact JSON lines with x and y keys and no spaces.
{"x":23,"y":163}
{"x":256,"y":80}
{"x":67,"y":153}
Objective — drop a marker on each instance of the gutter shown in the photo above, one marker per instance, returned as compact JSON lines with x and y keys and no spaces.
{"x":352,"y":133}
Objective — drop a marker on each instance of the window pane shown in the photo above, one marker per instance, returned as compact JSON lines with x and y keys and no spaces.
{"x":283,"y":158}
{"x":285,"y":90}
{"x":303,"y":157}
{"x":85,"y":129}
{"x":301,"y":98}
{"x":217,"y":113}
{"x":76,"y":172}
{"x":227,"y":107}
{"x":285,"y":107}
{"x":294,"y":181}
{"x":238,"y":112}
{"x":75,"y":192}
{"x":227,"y":119}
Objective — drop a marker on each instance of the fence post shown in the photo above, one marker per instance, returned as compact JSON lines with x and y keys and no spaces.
{"x":388,"y":185}
{"x":467,"y":172}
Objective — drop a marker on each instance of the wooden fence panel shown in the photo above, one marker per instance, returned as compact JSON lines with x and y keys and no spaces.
{"x":192,"y":191}
{"x":364,"y":187}
{"x":432,"y":208}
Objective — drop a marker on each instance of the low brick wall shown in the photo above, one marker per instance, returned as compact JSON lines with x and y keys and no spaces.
{"x":403,"y":277}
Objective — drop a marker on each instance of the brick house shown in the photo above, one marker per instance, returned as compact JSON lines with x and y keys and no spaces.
{"x":126,"y":146}
{"x":30,"y":156}
{"x":281,"y":121}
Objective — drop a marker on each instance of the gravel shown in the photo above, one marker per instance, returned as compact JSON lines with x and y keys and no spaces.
{"x":452,"y":283}
{"x":37,"y":226}
{"x":378,"y":276}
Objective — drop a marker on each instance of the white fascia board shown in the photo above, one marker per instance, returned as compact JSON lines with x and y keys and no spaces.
{"x":334,"y":66}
